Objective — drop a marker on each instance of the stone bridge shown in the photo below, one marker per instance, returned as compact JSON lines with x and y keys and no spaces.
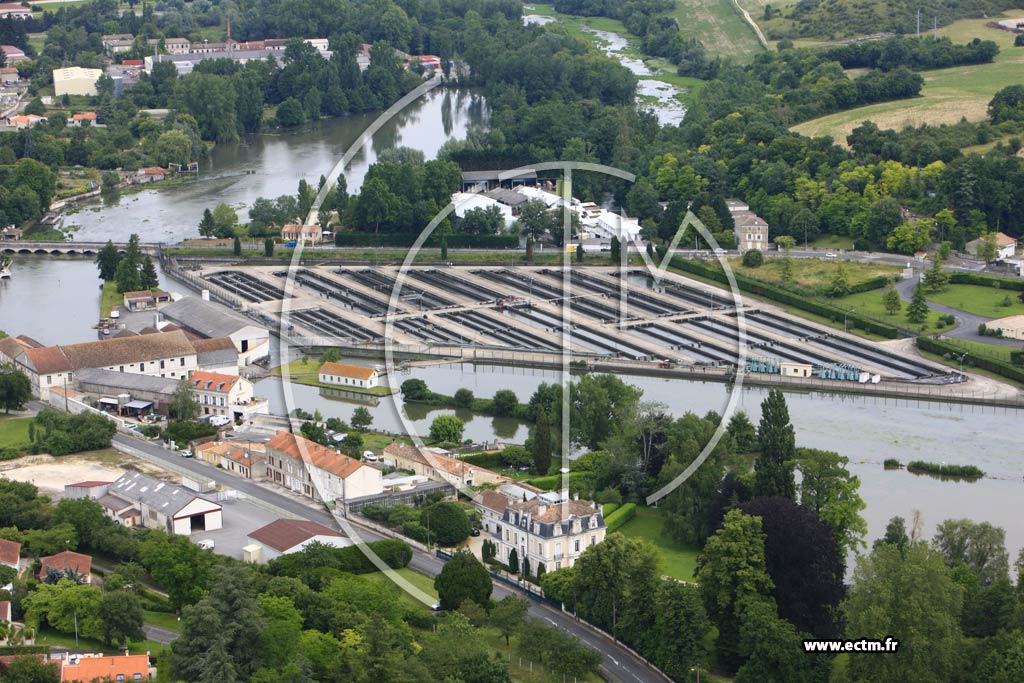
{"x":69,"y":248}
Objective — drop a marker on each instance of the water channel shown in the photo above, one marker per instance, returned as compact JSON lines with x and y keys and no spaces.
{"x":660,"y":96}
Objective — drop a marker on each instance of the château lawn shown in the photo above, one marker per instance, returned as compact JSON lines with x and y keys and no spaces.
{"x":986,"y":301}
{"x":678,"y":561}
{"x":14,"y":432}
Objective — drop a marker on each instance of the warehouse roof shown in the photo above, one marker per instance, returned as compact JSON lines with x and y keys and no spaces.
{"x":158,"y":495}
{"x":205,"y":318}
{"x":125,"y":380}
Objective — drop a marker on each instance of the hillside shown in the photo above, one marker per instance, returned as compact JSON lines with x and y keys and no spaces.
{"x":834,"y":19}
{"x":948,"y":94}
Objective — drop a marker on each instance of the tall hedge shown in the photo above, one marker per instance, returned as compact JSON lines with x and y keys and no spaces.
{"x":620,"y":517}
{"x":784,"y":296}
{"x":405,"y":239}
{"x":1016,"y":285}
{"x":999,"y":367}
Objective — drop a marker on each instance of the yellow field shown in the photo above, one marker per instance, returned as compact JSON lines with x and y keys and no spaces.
{"x":948,"y":94}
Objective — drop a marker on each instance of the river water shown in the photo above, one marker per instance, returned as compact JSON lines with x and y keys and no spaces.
{"x":271,"y":164}
{"x":660,"y":96}
{"x":866,"y":430}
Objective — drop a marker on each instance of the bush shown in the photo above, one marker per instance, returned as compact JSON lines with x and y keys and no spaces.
{"x":620,"y":516}
{"x":986,"y":281}
{"x":59,"y":433}
{"x":608,"y":508}
{"x":181,"y":432}
{"x":949,"y":471}
{"x":316,"y":557}
{"x":892,"y":464}
{"x":753,"y":258}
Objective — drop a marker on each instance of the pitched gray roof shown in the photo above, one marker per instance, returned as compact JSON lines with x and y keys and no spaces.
{"x":204,"y":317}
{"x":112,"y":379}
{"x":156,"y":494}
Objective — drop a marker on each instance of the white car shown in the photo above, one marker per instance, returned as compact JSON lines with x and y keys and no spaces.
{"x":220,"y":420}
{"x":186,"y":454}
{"x":830,"y":255}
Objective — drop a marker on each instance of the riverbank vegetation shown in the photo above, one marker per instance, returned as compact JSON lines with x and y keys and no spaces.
{"x":944,"y":471}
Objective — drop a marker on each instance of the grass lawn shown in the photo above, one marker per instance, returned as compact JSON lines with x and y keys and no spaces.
{"x":814,"y":274}
{"x":308,"y":373}
{"x":47,"y":636}
{"x":14,"y":432}
{"x":424,"y":583}
{"x":678,"y":561}
{"x":833,"y":242}
{"x":986,"y":301}
{"x":110,"y":299}
{"x":870,"y":304}
{"x":947,"y":95}
{"x":166,"y":620}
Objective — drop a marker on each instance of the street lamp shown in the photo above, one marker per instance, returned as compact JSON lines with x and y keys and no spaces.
{"x":696,"y":669}
{"x":962,"y":356}
{"x":845,"y":316}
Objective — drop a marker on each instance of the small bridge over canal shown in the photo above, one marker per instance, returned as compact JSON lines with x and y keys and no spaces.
{"x":68,"y":248}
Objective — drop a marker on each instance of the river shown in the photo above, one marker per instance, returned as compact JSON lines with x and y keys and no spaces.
{"x":271,"y":164}
{"x":662,"y":97}
{"x":866,"y":430}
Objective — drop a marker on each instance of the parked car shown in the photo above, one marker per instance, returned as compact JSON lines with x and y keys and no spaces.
{"x":830,"y":255}
{"x":474,"y":532}
{"x":220,"y":420}
{"x":206,"y":544}
{"x":186,"y":454}
{"x":290,"y":244}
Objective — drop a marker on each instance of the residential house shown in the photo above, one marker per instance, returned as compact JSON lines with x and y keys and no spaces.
{"x":751,"y":231}
{"x":118,"y":46}
{"x":173,"y":46}
{"x":344,"y":375}
{"x":12,"y":54}
{"x":5,"y":612}
{"x":428,"y":63}
{"x":89,"y":668}
{"x":436,"y":464}
{"x":22,"y":121}
{"x":1006,"y":246}
{"x":545,"y":528}
{"x":242,"y":458}
{"x":74,"y":80}
{"x":10,"y":232}
{"x":307,"y":234}
{"x":171,"y":507}
{"x":14,"y":10}
{"x":145,"y":299}
{"x":319,"y":472}
{"x":10,"y":554}
{"x":285,"y":536}
{"x":82,"y":118}
{"x":9,"y":75}
{"x":211,"y":320}
{"x":67,"y":560}
{"x":228,"y":395}
{"x":165,"y":354}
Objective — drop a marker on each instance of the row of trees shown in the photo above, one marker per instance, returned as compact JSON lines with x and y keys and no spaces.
{"x":131,"y":270}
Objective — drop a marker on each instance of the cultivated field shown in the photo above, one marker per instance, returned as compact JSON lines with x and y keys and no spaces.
{"x":948,"y":94}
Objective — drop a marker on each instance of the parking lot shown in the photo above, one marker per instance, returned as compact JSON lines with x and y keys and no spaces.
{"x":241,"y":517}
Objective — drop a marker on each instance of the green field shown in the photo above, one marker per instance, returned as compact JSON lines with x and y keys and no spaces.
{"x":14,"y":432}
{"x":812,"y":273}
{"x":948,"y":94}
{"x":986,"y":301}
{"x":720,"y":26}
{"x":424,"y":583}
{"x":678,"y":561}
{"x":870,"y":304}
{"x":979,"y":349}
{"x":833,"y":242}
{"x":110,"y":299}
{"x":165,"y":620}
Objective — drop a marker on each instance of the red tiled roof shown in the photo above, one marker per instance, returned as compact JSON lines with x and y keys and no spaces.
{"x":88,"y":484}
{"x":315,"y":455}
{"x":89,"y":669}
{"x":213,"y":381}
{"x":81,"y":564}
{"x":9,"y":551}
{"x":48,"y":360}
{"x":346,"y":370}
{"x":282,"y":534}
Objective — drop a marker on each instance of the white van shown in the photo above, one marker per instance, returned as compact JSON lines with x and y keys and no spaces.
{"x":369,"y":456}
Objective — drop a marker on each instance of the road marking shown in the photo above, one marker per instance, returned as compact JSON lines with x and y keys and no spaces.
{"x":551,"y":621}
{"x":614,"y":660}
{"x":638,"y":678}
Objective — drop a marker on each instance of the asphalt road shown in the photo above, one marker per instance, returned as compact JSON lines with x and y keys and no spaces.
{"x":618,"y":660}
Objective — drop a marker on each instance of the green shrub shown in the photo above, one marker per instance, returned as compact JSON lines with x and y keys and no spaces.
{"x":949,"y":471}
{"x":620,"y":517}
{"x":608,"y":508}
{"x":892,"y":464}
{"x":753,"y":258}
